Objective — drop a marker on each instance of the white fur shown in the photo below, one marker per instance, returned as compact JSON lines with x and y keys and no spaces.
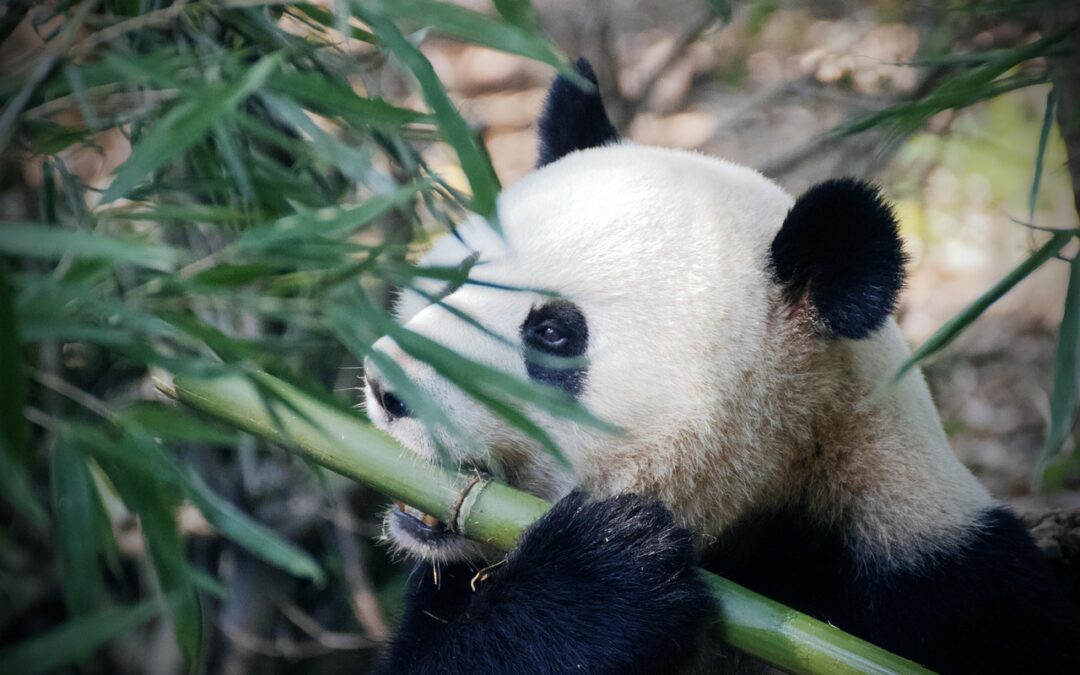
{"x":728,"y":400}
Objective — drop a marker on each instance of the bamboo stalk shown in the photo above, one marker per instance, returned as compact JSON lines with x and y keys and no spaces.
{"x":495,"y":513}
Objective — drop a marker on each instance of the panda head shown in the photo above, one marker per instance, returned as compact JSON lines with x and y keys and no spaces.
{"x":686,"y":300}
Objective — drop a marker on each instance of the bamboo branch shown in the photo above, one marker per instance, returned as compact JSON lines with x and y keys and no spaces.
{"x":489,"y":511}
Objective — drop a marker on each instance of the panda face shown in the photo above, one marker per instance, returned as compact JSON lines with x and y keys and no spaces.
{"x":631,"y":278}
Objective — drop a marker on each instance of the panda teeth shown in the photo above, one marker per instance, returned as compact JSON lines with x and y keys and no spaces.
{"x":429,"y":520}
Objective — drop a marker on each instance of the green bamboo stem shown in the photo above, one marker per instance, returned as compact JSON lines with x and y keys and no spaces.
{"x":497,"y":514}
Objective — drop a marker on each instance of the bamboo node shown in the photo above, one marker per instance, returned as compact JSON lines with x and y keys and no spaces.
{"x":464,"y":502}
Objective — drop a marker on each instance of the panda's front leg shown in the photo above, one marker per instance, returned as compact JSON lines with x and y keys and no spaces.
{"x":608,"y":586}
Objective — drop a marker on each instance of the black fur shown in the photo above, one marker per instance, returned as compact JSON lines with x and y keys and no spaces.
{"x":987,"y":607}
{"x":559,"y":364}
{"x":573,"y":119}
{"x":593,"y":587}
{"x":841,"y":249}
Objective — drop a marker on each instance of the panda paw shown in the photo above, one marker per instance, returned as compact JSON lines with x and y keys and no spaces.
{"x":621,"y":572}
{"x":626,"y":534}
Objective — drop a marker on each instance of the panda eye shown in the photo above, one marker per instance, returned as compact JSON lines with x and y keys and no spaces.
{"x":557,"y":328}
{"x":551,"y":334}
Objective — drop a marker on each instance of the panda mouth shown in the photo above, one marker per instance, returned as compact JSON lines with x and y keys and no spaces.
{"x":419,"y":525}
{"x":426,"y":537}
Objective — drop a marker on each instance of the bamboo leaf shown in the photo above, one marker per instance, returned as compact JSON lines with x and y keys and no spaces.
{"x":148,"y":492}
{"x":519,"y":12}
{"x":470,"y":26}
{"x":165,"y":213}
{"x":328,"y":97}
{"x":141,"y":457}
{"x":353,"y":163}
{"x":1065,"y":399}
{"x":230,"y":153}
{"x":971,"y":86}
{"x":327,"y":222}
{"x":260,"y":541}
{"x":1040,"y":155}
{"x":326,"y":19}
{"x":77,"y":509}
{"x":473,"y":157}
{"x":905,"y":118}
{"x":50,"y":242}
{"x":227,"y":276}
{"x":183,"y":126}
{"x":947,"y":333}
{"x":74,"y":640}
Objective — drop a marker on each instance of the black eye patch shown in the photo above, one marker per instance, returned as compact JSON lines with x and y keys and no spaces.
{"x":555,"y":337}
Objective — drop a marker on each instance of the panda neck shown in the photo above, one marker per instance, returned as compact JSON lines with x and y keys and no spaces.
{"x":878,"y":463}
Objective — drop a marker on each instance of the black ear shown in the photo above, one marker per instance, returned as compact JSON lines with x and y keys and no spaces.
{"x":573,"y":119}
{"x":840,"y":251}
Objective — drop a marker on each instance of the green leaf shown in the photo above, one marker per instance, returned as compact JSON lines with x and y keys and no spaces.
{"x":328,"y":221}
{"x":183,"y":126}
{"x":332,"y":98}
{"x":147,"y":491}
{"x":238,"y":527}
{"x":354,"y":163}
{"x":75,"y":640}
{"x":166,"y":546}
{"x":1065,"y":399}
{"x":971,"y":86}
{"x":13,"y":427}
{"x":230,"y":153}
{"x":1044,"y":136}
{"x":168,"y":422}
{"x":50,"y":242}
{"x":947,"y":333}
{"x":518,"y":12}
{"x":168,"y":213}
{"x":143,"y":460}
{"x":326,"y":19}
{"x":473,"y":157}
{"x":906,"y":118}
{"x":481,"y":29}
{"x":77,"y":509}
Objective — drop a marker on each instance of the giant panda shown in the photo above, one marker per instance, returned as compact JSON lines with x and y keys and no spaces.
{"x":738,"y":338}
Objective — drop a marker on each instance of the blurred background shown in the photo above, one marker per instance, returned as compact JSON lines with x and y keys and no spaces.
{"x":199,"y":187}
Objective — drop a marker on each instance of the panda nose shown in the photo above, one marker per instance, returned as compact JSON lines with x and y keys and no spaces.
{"x":395,"y":408}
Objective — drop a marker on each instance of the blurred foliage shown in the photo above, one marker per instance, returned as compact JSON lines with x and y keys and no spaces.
{"x":255,"y":224}
{"x":266,"y":204}
{"x":962,"y":80}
